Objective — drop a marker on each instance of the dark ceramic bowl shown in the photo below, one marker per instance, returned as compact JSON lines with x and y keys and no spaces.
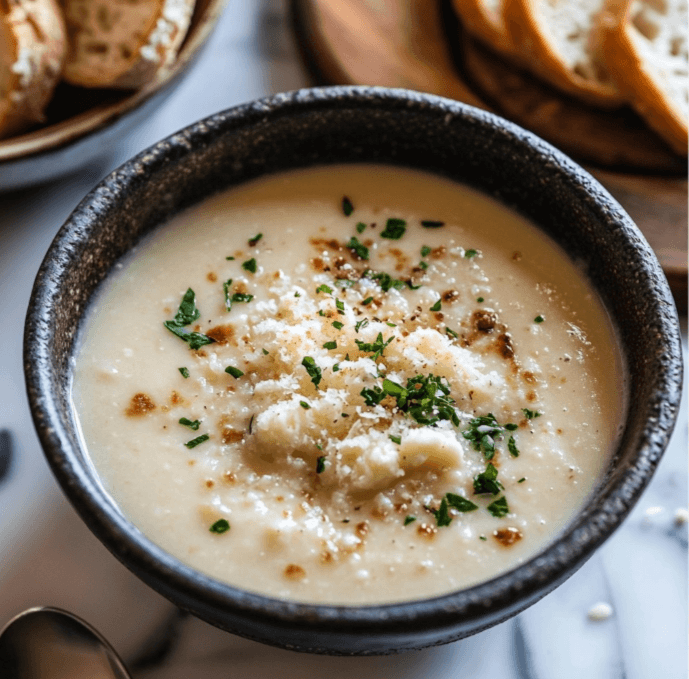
{"x":345,"y":124}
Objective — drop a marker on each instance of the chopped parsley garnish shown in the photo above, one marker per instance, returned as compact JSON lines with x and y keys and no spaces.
{"x":338,"y":325}
{"x":372,"y":396}
{"x":385,"y":280}
{"x":425,"y":399}
{"x":431,"y":223}
{"x":250,"y":265}
{"x":324,"y":288}
{"x":265,"y":352}
{"x":183,"y":372}
{"x":486,"y":482}
{"x":451,"y":333}
{"x":312,"y":369}
{"x":437,"y":306}
{"x":296,"y":294}
{"x":538,"y":319}
{"x":195,"y":442}
{"x":230,"y":259}
{"x":360,"y":227}
{"x":395,"y":439}
{"x":511,"y":427}
{"x":409,"y":519}
{"x":235,"y":372}
{"x":255,"y":239}
{"x":304,"y":405}
{"x":512,"y":447}
{"x":423,"y":265}
{"x":320,"y":464}
{"x":461,"y":504}
{"x":523,"y":478}
{"x":479,"y":299}
{"x":442,"y":515}
{"x":186,"y":314}
{"x":394,"y":229}
{"x":429,"y":400}
{"x":344,"y":414}
{"x":192,"y":424}
{"x":499,"y":507}
{"x":235,"y":297}
{"x":360,"y":250}
{"x":367,"y":301}
{"x":376,"y":347}
{"x":470,"y":253}
{"x":360,"y":324}
{"x":482,"y":537}
{"x":412,"y":286}
{"x":330,"y":345}
{"x":336,"y":367}
{"x":530,"y":414}
{"x":347,"y":206}
{"x":220,"y":526}
{"x":425,"y":251}
{"x":226,"y":290}
{"x":484,"y":431}
{"x":390,"y":325}
{"x":241,"y":297}
{"x":339,"y":304}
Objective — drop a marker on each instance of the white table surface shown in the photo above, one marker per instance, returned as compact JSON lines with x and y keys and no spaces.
{"x":47,"y":556}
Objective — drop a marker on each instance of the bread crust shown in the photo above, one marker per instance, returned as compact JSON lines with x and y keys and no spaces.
{"x":37,"y":45}
{"x":96,"y":59}
{"x":486,"y":24}
{"x":529,"y":33}
{"x":615,"y":35}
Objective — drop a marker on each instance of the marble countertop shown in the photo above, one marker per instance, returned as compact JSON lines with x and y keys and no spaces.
{"x":47,"y":556}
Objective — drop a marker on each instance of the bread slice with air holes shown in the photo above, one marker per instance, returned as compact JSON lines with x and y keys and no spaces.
{"x":554,"y":39}
{"x":122,"y":43}
{"x":483,"y":19}
{"x":644,"y":43}
{"x":32,"y":50}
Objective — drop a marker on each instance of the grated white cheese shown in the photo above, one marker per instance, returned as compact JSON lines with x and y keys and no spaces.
{"x":600,"y":611}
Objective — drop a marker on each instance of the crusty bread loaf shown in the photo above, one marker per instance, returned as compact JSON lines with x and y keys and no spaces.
{"x":32,"y":49}
{"x":484,"y":19}
{"x":645,"y":46}
{"x":122,"y":43}
{"x":554,"y":38}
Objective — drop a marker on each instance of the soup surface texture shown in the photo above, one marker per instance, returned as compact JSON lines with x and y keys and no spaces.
{"x":349,"y":384}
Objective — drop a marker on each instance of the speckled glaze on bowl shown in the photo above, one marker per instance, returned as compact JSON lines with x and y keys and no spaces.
{"x":345,"y":124}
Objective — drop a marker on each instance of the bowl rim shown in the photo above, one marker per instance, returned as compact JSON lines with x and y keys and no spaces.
{"x":52,"y":138}
{"x":496,"y":597}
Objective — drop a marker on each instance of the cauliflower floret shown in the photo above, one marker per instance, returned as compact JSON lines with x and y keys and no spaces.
{"x":434,"y":449}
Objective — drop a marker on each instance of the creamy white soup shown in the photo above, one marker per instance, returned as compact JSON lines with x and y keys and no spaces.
{"x":350,"y":384}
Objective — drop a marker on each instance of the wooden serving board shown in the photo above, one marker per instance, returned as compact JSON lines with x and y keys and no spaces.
{"x":419,"y":44}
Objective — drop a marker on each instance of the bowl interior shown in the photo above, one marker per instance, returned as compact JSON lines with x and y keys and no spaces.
{"x":359,"y":125}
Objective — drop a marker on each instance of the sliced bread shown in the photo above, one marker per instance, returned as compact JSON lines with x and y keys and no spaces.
{"x":32,"y":50}
{"x":483,"y":19}
{"x":122,"y":43}
{"x":645,"y":46}
{"x":554,"y":39}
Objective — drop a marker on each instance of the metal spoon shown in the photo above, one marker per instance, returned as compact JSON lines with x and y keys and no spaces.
{"x":49,"y":643}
